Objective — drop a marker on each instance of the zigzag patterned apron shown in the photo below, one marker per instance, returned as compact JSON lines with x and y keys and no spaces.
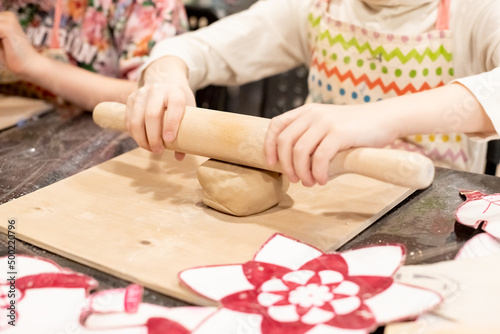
{"x":352,"y":64}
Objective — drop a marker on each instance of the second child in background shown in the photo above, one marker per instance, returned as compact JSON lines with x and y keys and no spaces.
{"x":83,"y":51}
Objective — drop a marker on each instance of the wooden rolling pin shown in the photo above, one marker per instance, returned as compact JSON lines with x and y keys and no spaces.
{"x":240,"y":138}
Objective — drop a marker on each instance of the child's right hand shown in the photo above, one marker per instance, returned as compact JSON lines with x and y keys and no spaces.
{"x":155,"y":110}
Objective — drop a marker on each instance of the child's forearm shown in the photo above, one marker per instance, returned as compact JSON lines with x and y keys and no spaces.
{"x":81,"y":87}
{"x":452,"y":108}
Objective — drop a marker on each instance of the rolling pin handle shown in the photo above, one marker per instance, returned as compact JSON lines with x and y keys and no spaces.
{"x":110,"y":115}
{"x":408,"y":169}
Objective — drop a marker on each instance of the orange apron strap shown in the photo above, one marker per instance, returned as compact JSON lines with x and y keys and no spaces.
{"x":54,"y":41}
{"x":443,"y":20}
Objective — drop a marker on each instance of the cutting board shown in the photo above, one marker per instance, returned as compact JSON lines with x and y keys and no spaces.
{"x":140,"y":217}
{"x":14,"y":109}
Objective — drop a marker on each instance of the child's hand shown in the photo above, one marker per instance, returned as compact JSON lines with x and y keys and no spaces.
{"x":16,"y":51}
{"x":305,"y":140}
{"x":155,"y":110}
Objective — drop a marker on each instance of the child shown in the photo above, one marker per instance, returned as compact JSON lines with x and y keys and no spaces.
{"x":105,"y":41}
{"x":365,"y":57}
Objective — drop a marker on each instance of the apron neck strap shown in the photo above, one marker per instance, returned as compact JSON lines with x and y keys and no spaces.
{"x":443,"y":20}
{"x":54,"y":41}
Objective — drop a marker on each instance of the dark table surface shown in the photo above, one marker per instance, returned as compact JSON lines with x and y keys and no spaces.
{"x":63,"y":143}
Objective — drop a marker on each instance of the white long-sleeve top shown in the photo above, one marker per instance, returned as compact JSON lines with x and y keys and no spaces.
{"x":271,"y":37}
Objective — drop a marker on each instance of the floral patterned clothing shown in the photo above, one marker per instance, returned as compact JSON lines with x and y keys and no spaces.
{"x":109,"y":37}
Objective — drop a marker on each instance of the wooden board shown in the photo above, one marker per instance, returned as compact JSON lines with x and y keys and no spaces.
{"x":14,"y":109}
{"x":139,"y":217}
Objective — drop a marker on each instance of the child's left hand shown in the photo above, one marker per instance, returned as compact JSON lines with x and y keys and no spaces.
{"x":306,"y":139}
{"x":16,"y":51}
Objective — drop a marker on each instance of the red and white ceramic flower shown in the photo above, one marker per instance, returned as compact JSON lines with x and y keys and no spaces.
{"x":480,"y":208}
{"x":291,"y":287}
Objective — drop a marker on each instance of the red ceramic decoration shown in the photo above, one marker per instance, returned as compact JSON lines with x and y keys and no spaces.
{"x":290,"y":287}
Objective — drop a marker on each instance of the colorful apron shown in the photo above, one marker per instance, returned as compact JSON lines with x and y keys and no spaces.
{"x":351,"y":65}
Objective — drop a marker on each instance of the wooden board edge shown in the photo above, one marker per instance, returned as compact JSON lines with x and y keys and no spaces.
{"x":373,"y":219}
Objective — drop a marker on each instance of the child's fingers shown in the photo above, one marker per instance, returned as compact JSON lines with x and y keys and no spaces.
{"x":179,"y":156}
{"x":277,"y":125}
{"x":154,"y":118}
{"x":322,"y":157}
{"x":10,"y":28}
{"x":302,"y":154}
{"x":8,"y":20}
{"x":286,"y":143}
{"x":7,"y":16}
{"x":17,"y":53}
{"x":129,"y":108}
{"x":134,"y":118}
{"x":176,"y":103}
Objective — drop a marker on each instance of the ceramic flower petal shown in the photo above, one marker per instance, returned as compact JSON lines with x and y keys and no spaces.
{"x":480,"y":208}
{"x":334,"y":262}
{"x":258,"y":273}
{"x":480,"y":245}
{"x":216,"y":282}
{"x":296,"y":255}
{"x":290,"y":287}
{"x":402,"y":301}
{"x":365,"y":261}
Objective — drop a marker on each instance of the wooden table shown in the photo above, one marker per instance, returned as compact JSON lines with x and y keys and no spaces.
{"x":63,"y":143}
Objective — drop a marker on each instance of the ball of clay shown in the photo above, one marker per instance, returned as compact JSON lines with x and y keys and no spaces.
{"x":240,"y":190}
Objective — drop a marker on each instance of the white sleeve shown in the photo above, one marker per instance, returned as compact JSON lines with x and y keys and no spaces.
{"x":486,"y":88}
{"x":268,"y":38}
{"x":478,"y":63}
